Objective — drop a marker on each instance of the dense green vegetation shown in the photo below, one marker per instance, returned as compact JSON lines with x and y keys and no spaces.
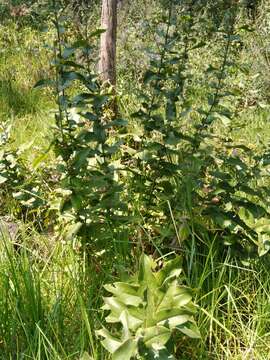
{"x":135,"y":220}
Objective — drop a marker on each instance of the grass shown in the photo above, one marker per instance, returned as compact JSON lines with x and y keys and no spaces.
{"x":232,"y":310}
{"x":47,"y":297}
{"x":50,"y":298}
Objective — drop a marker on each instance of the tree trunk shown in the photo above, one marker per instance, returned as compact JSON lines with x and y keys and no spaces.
{"x":107,"y":62}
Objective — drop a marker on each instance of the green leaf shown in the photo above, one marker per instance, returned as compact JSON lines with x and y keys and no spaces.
{"x":44,"y":83}
{"x":226,"y":121}
{"x":170,"y":110}
{"x":126,"y":351}
{"x":198,"y":45}
{"x":246,"y":216}
{"x":134,"y":322}
{"x":97,"y":32}
{"x":117,"y":122}
{"x":72,"y":230}
{"x":69,"y":76}
{"x":156,"y":336}
{"x":2,"y":179}
{"x":123,"y":293}
{"x":171,"y":312}
{"x":263,"y":244}
{"x":110,"y":342}
{"x":76,"y":201}
{"x":170,"y":270}
{"x":150,"y":76}
{"x":145,"y":271}
{"x":173,"y":321}
{"x":184,"y":231}
{"x":68,"y":51}
{"x":113,"y":304}
{"x":81,"y":157}
{"x":262,"y":225}
{"x":175,"y":296}
{"x":191,"y":330}
{"x":124,"y":320}
{"x":119,"y":287}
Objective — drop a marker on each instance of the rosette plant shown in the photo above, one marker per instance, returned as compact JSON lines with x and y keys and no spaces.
{"x":150,"y":308}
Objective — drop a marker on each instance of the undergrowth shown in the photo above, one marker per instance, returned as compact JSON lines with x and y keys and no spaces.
{"x":181,"y":172}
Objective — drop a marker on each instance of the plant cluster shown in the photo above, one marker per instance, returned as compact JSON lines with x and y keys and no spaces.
{"x":151,"y":307}
{"x":18,"y":187}
{"x":88,"y":199}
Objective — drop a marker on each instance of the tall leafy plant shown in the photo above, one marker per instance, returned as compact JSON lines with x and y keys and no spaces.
{"x":162,"y":103}
{"x":86,"y":142}
{"x":188,"y":171}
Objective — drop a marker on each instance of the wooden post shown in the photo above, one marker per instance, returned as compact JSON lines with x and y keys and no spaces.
{"x":107,"y":62}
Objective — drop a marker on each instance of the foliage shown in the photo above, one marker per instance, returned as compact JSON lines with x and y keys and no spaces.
{"x":15,"y":181}
{"x":202,"y":176}
{"x":188,"y":173}
{"x":150,"y":307}
{"x":88,"y":199}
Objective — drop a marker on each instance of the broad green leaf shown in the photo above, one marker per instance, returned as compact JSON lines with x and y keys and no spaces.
{"x":262,"y":226}
{"x":72,"y":230}
{"x":144,"y":155}
{"x":68,"y":51}
{"x":113,"y":304}
{"x":76,"y":201}
{"x":44,"y":83}
{"x":173,"y":322}
{"x":226,"y":121}
{"x":133,"y":322}
{"x":119,"y":287}
{"x":263,"y":244}
{"x":170,"y":110}
{"x":145,"y":271}
{"x":175,"y":297}
{"x":117,"y":122}
{"x":183,"y":297}
{"x":150,"y":76}
{"x":165,"y":315}
{"x":156,"y":336}
{"x":110,"y":342}
{"x":126,"y":350}
{"x":124,"y":320}
{"x":184,"y":231}
{"x":171,"y":269}
{"x":190,"y":329}
{"x":126,"y":298}
{"x":2,"y":179}
{"x":246,"y":216}
{"x":81,"y":157}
